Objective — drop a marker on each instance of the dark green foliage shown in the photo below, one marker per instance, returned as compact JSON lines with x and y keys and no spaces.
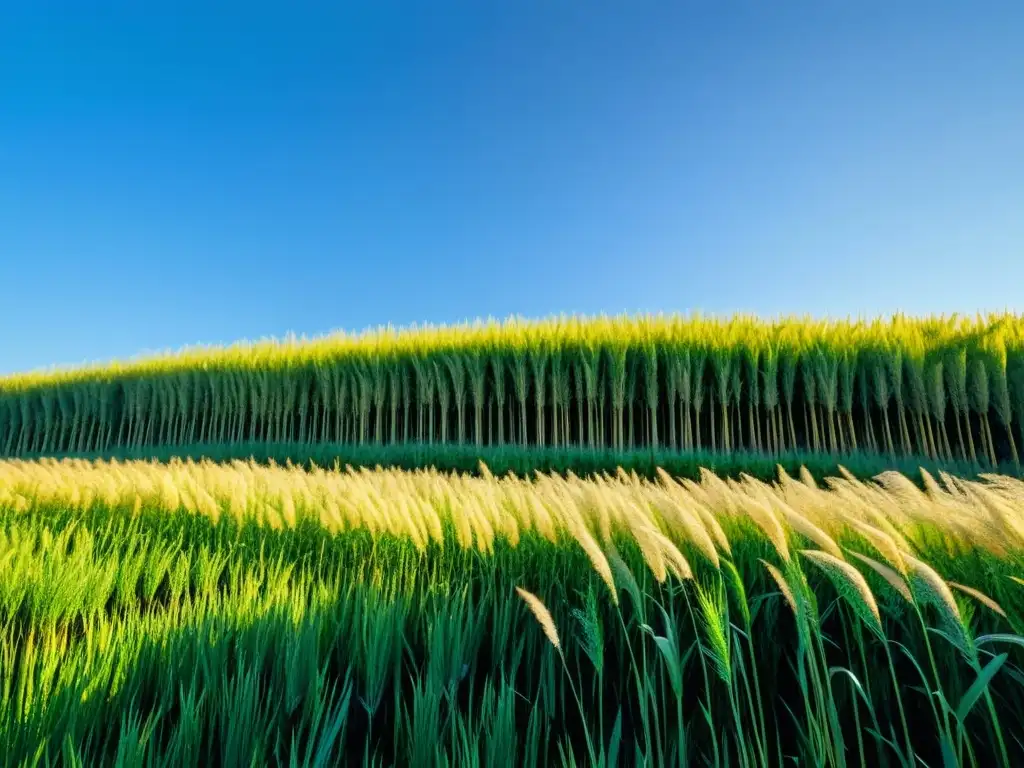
{"x":524,"y":462}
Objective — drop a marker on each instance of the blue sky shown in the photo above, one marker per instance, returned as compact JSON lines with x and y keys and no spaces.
{"x":173,"y":173}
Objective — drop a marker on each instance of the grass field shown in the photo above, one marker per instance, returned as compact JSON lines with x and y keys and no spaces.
{"x":944,"y":388}
{"x":243,"y":614}
{"x":630,"y":541}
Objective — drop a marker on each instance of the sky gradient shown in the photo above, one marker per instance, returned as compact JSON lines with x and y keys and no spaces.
{"x":174,"y":173}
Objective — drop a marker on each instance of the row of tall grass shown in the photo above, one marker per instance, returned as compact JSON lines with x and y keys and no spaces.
{"x":945,"y":388}
{"x":239,"y":614}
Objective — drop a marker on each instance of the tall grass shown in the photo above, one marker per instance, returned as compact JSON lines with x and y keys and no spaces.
{"x":169,"y":614}
{"x":941,"y":388}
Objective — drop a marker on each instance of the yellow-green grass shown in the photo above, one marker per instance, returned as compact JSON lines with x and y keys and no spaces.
{"x":168,"y":614}
{"x":942,"y":388}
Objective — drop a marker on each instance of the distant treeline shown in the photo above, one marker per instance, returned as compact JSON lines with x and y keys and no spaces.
{"x":950,"y":389}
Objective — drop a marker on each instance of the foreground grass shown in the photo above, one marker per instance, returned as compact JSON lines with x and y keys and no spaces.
{"x":170,"y":614}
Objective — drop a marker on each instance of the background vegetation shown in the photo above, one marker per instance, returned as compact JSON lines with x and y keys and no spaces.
{"x":944,"y":389}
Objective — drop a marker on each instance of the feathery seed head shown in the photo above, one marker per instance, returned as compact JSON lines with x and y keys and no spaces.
{"x":850,"y":584}
{"x":782,"y":584}
{"x":543,"y":616}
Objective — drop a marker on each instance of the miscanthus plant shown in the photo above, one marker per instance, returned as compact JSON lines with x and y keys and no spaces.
{"x":939,"y":388}
{"x":248,"y":615}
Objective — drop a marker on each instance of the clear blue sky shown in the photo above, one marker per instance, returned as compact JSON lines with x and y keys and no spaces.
{"x":182,"y":172}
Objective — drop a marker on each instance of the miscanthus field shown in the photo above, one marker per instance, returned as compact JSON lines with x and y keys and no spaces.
{"x":688,"y":542}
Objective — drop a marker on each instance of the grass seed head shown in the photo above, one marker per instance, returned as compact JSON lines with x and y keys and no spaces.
{"x":543,"y":616}
{"x":809,"y":530}
{"x":716,"y":627}
{"x":850,"y":584}
{"x":782,"y":584}
{"x":761,"y":514}
{"x":692,"y":526}
{"x":891,"y":576}
{"x":981,"y":597}
{"x":932,"y":588}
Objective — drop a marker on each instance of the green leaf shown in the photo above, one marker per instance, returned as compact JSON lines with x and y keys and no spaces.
{"x":613,"y":747}
{"x":948,"y":756}
{"x":668,"y":652}
{"x":833,"y":671}
{"x":1000,"y":638}
{"x":978,"y":687}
